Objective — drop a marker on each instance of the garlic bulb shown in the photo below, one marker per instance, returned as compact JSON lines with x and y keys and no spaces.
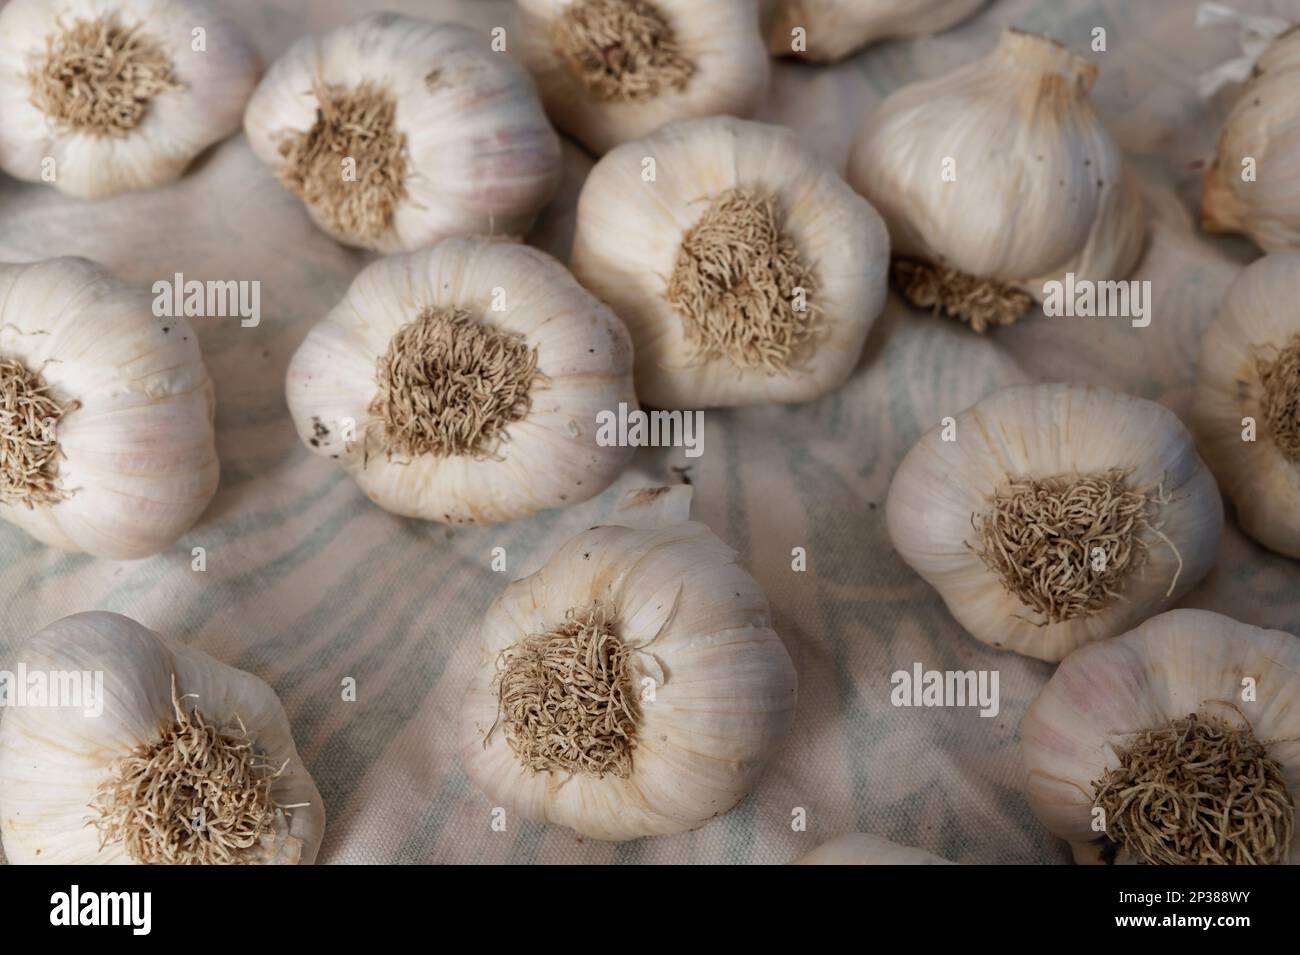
{"x":615,"y":70}
{"x":835,"y":28}
{"x":1247,"y":393}
{"x":1050,"y":515}
{"x":859,"y":848}
{"x":461,"y":383}
{"x":746,"y":270}
{"x":143,"y":750}
{"x":631,"y":687}
{"x":397,"y":132}
{"x":996,"y":179}
{"x":103,"y":96}
{"x":1250,"y":187}
{"x":105,"y":413}
{"x":1173,"y":744}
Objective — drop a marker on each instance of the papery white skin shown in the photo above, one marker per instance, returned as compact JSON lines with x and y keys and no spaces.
{"x":629,"y":232}
{"x":720,"y":38}
{"x":481,"y":156}
{"x":176,"y":127}
{"x":1259,"y":312}
{"x":836,"y":28}
{"x":1042,"y":431}
{"x":1040,"y":187}
{"x":860,"y":848}
{"x":724,"y":685}
{"x":1167,"y":668}
{"x":548,"y":459}
{"x":139,"y":456}
{"x":1264,"y":125}
{"x":53,"y":758}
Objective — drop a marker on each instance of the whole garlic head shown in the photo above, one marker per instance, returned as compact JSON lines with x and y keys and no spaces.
{"x":996,"y":179}
{"x":103,"y":96}
{"x":860,"y":848}
{"x":1184,"y":733}
{"x":1050,"y":515}
{"x":1263,"y":133}
{"x":835,"y":28}
{"x":1247,"y":393}
{"x":159,"y":735}
{"x":745,"y":268}
{"x":397,"y":132}
{"x":105,"y":413}
{"x":615,"y":70}
{"x":631,"y":687}
{"x":462,"y":383}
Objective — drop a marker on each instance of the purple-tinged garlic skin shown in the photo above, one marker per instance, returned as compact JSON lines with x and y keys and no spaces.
{"x":1175,"y":664}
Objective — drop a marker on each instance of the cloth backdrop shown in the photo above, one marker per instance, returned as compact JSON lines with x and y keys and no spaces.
{"x":308,"y":583}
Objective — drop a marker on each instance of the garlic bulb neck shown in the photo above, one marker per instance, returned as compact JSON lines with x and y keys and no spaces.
{"x":198,"y":795}
{"x":1197,"y":791}
{"x":29,"y":452}
{"x":99,"y":77}
{"x":566,"y":698}
{"x":450,"y":385}
{"x":1044,"y":63}
{"x":621,"y":50}
{"x":741,"y":287}
{"x":357,"y":124}
{"x":980,"y":303}
{"x":1065,"y":545}
{"x":1280,"y":377}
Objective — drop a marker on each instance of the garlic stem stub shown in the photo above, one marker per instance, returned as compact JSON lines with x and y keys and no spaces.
{"x":998,"y":178}
{"x":1251,"y":186}
{"x":104,"y":96}
{"x":611,"y":71}
{"x":106,"y":413}
{"x":631,"y":687}
{"x":397,"y":132}
{"x":1050,"y":515}
{"x":158,"y":755}
{"x":745,"y":268}
{"x":462,"y":383}
{"x":1247,"y":410}
{"x":1181,"y":737}
{"x":834,"y":29}
{"x":860,"y":848}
